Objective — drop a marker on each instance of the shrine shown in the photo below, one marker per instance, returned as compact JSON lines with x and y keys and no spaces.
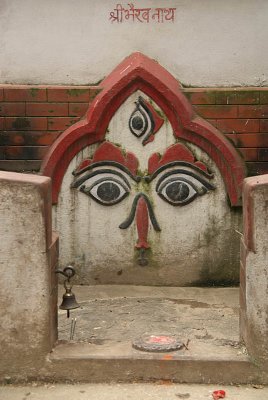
{"x":128,"y":181}
{"x":133,"y":194}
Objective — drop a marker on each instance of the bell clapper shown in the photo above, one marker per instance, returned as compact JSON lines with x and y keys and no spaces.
{"x":73,"y":325}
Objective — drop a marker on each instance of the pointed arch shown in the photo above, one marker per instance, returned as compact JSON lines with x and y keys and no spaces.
{"x":138,"y":72}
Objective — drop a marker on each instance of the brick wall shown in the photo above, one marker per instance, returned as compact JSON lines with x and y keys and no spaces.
{"x":31,"y":118}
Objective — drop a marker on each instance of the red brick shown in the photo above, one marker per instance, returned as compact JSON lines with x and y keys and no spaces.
{"x":60,"y":124}
{"x":76,"y":95}
{"x":25,"y":94}
{"x":30,"y":138}
{"x":1,"y":94}
{"x":249,"y":154}
{"x":257,"y":168}
{"x":264,"y":97}
{"x":237,"y":97}
{"x":78,"y":109}
{"x":249,"y":140}
{"x":213,"y":122}
{"x":44,"y":139}
{"x":2,"y":123}
{"x":11,"y":138}
{"x":26,"y":124}
{"x":238,"y":125}
{"x":264,"y":125}
{"x":93,"y":92}
{"x":200,"y":96}
{"x":24,"y":152}
{"x":263,"y":154}
{"x":253,"y":111}
{"x":217,"y":111}
{"x":12,"y":109}
{"x":47,"y":109}
{"x":20,"y":165}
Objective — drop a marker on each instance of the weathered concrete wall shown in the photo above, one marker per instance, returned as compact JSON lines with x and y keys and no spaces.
{"x":210,"y":43}
{"x":198,"y":243}
{"x":28,"y":293}
{"x":254,"y":269}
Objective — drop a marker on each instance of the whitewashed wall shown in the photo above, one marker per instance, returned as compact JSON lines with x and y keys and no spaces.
{"x":210,"y":43}
{"x":198,"y":242}
{"x":28,"y":294}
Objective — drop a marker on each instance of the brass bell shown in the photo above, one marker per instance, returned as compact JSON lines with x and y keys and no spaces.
{"x":68,"y":300}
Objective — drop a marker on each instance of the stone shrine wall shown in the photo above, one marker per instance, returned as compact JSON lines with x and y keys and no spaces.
{"x":254,"y":269}
{"x":28,"y":285}
{"x":142,"y":181}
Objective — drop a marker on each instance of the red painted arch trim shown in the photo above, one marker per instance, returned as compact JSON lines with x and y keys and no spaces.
{"x":138,"y":72}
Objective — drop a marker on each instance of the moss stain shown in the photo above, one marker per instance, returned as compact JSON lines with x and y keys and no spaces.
{"x":96,"y":83}
{"x":21,"y":123}
{"x":149,"y":256}
{"x":34,"y":92}
{"x":215,"y":270}
{"x":76,"y":92}
{"x":158,"y":111}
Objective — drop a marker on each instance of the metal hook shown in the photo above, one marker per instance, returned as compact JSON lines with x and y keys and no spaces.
{"x":68,"y":272}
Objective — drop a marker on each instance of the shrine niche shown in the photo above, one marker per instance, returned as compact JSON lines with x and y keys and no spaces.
{"x":144,"y":190}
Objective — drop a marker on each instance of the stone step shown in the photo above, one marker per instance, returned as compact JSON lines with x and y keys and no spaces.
{"x":111,"y":361}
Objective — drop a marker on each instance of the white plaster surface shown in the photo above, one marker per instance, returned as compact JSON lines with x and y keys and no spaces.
{"x":197,"y":242}
{"x":210,"y":43}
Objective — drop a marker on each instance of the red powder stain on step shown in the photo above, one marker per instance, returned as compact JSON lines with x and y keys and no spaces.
{"x":167,"y":357}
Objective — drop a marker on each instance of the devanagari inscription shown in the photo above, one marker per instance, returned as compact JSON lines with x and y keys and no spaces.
{"x":130,"y":13}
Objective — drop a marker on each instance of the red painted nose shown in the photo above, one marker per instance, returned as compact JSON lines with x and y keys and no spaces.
{"x":142,"y":222}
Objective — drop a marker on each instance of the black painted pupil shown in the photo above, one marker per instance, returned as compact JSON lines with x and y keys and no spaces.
{"x":177,"y":191}
{"x":137,"y":123}
{"x":108,"y":191}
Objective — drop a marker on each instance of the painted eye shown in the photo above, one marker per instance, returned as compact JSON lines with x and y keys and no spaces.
{"x":139,"y":120}
{"x":178,"y":191}
{"x":106,"y":191}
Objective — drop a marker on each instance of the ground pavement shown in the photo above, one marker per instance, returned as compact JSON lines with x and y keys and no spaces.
{"x":152,"y":391}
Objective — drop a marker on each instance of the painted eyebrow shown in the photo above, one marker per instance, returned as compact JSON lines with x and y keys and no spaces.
{"x":89,"y":175}
{"x":108,"y":164}
{"x":149,"y":178}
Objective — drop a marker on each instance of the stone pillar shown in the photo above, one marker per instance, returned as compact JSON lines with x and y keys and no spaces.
{"x":254,"y":269}
{"x":28,"y":290}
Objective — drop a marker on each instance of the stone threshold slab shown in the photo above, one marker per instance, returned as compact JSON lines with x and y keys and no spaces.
{"x":112,"y":315}
{"x":119,"y":362}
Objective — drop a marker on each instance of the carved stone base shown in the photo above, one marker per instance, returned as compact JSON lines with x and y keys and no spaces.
{"x":157,"y":343}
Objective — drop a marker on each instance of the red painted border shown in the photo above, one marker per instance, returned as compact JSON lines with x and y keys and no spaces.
{"x":140,"y":72}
